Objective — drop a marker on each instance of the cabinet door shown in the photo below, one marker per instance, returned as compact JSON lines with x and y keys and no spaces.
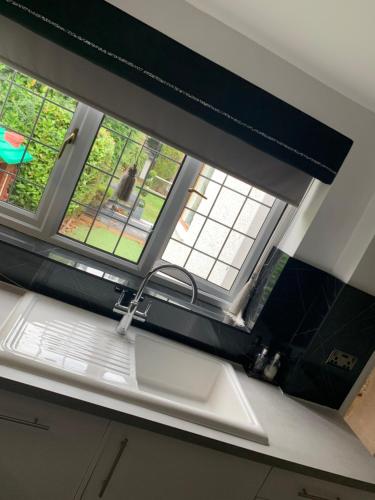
{"x":45,"y":450}
{"x":141,"y":465}
{"x":285,"y":485}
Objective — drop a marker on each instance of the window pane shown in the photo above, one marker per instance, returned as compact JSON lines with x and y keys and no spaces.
{"x":147,"y":209}
{"x":237,"y":185}
{"x":199,"y":264}
{"x":223,"y":275}
{"x":4,"y":87}
{"x":215,"y":233}
{"x":7,"y":177}
{"x":39,"y":171}
{"x":130,"y":156}
{"x":117,"y":126}
{"x":251,"y":218}
{"x":131,"y":244}
{"x":29,"y":82}
{"x":25,"y":194}
{"x":106,"y":150}
{"x":105,"y":233}
{"x":32,"y":130}
{"x":62,"y":99}
{"x":77,"y":222}
{"x":188,"y":227}
{"x":123,"y":187}
{"x":20,"y":110}
{"x":176,"y":253}
{"x":213,"y":173}
{"x":227,"y":207}
{"x":6,"y":73}
{"x":263,"y":197}
{"x":236,"y":249}
{"x":172,"y":153}
{"x":52,"y":136}
{"x":92,"y":188}
{"x":209,"y":189}
{"x":212,"y":238}
{"x":161,"y":175}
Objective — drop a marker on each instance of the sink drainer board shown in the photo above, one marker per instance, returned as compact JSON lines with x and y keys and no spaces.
{"x":70,"y":340}
{"x":48,"y":337}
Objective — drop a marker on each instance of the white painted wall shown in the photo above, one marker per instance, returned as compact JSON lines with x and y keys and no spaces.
{"x":364,"y":275}
{"x":333,"y":231}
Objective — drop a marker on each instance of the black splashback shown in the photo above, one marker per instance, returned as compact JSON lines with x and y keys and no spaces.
{"x":349,"y":326}
{"x":307,"y":314}
{"x":29,"y":263}
{"x":295,"y":308}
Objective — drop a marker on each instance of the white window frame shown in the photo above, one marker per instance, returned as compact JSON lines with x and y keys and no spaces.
{"x":45,"y":222}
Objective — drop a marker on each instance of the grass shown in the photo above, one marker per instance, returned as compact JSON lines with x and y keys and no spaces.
{"x":152,"y":208}
{"x":106,"y":240}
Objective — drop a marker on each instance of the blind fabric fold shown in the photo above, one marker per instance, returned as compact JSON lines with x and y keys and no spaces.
{"x":125,"y":68}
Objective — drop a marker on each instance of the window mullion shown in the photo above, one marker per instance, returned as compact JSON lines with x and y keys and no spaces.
{"x":68,"y":169}
{"x":170,"y":213}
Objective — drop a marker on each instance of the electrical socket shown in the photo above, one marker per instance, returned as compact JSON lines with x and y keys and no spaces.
{"x":341,"y":359}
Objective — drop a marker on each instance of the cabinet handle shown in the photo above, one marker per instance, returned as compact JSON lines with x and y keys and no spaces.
{"x":107,"y":480}
{"x":305,"y":494}
{"x":33,"y":423}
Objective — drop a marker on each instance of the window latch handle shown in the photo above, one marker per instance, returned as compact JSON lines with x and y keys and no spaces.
{"x":69,"y":140}
{"x":193,"y":190}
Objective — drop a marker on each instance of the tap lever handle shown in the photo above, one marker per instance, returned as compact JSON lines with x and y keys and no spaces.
{"x":142,"y":315}
{"x":125,"y":297}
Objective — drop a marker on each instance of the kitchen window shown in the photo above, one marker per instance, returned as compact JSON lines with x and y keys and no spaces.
{"x":92,"y":183}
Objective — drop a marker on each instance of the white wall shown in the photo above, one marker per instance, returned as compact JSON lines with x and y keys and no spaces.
{"x":364,"y":275}
{"x":338,"y":231}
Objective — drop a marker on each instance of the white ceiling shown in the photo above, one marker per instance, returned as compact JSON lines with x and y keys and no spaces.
{"x":332,"y":40}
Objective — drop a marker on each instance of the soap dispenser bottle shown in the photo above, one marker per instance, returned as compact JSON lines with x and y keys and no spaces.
{"x":260,"y":360}
{"x":272,"y":368}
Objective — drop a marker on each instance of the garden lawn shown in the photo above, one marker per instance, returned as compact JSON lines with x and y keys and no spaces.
{"x":152,"y":208}
{"x":106,"y":240}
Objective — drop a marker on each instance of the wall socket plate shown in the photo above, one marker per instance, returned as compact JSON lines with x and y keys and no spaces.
{"x":341,"y":359}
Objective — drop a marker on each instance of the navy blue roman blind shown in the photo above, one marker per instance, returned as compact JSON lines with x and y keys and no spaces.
{"x":128,"y":48}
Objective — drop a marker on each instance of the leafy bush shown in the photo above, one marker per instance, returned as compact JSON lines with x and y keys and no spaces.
{"x":93,"y":183}
{"x":19,"y":114}
{"x":21,"y":110}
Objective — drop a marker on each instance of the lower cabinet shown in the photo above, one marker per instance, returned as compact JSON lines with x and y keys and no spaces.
{"x":48,"y":452}
{"x":141,"y":465}
{"x":285,"y":485}
{"x":45,"y":450}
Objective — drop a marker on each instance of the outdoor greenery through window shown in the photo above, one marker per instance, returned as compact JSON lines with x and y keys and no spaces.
{"x":120,"y":195}
{"x":34,"y":119}
{"x":97,"y":215}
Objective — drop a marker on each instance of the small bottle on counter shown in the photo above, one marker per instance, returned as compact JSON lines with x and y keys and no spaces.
{"x":260,"y":360}
{"x":272,"y":368}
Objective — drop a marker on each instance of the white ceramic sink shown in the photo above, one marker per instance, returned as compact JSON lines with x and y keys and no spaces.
{"x":194,"y":386}
{"x":69,"y":344}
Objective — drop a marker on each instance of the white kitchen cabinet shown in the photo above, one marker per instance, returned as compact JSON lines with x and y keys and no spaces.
{"x":45,"y":450}
{"x":285,"y":485}
{"x":142,"y":465}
